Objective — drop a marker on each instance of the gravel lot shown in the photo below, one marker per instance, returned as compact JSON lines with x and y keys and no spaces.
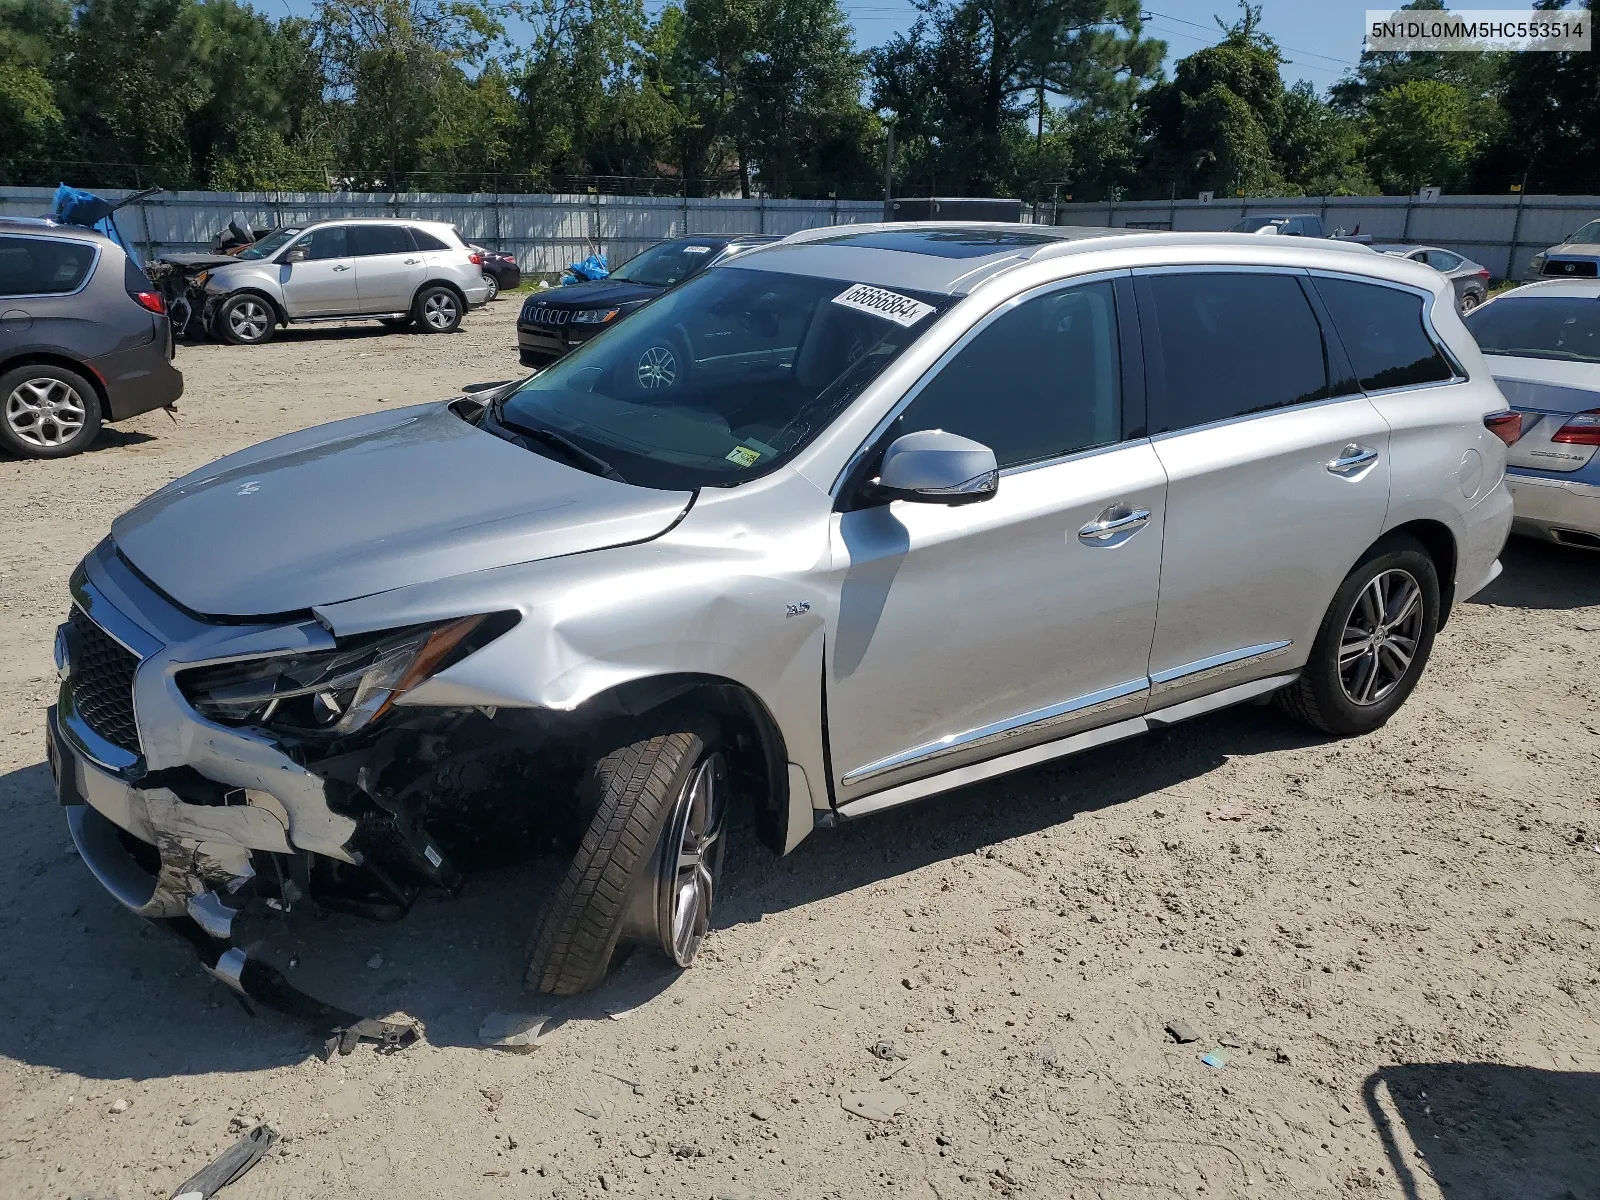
{"x":1394,"y":941}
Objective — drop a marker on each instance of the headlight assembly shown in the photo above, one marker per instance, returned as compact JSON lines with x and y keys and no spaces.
{"x":593,"y":316}
{"x":336,"y":692}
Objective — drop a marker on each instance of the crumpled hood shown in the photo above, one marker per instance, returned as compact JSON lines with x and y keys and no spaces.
{"x":371,"y":504}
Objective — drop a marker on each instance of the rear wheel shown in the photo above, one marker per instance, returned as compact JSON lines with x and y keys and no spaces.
{"x":494,"y":286}
{"x":647,"y":869}
{"x":437,"y":310}
{"x":1373,"y":643}
{"x":1470,"y":301}
{"x":246,"y":320}
{"x":48,"y":412}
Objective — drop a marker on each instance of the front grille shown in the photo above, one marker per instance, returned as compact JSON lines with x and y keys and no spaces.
{"x":547,"y":316}
{"x":102,"y":683}
{"x":1569,"y":268}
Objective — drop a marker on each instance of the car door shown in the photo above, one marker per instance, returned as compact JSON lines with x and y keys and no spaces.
{"x":1278,"y":472}
{"x":389,"y":267}
{"x":319,"y":277}
{"x":967,"y":632}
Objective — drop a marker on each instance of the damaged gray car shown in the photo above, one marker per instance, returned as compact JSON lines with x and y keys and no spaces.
{"x":850,"y":520}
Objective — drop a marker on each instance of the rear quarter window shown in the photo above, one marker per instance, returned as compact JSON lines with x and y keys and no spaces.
{"x":43,"y":266}
{"x":1383,"y":333}
{"x":426,"y":240}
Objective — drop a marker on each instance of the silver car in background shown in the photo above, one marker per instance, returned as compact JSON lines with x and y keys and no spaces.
{"x":847,"y":521}
{"x":1578,"y":257}
{"x":1470,"y":279}
{"x":400,"y":272}
{"x":1542,"y":341}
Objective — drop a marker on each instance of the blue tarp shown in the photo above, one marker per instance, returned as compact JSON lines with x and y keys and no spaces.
{"x":74,"y":206}
{"x":593,"y":267}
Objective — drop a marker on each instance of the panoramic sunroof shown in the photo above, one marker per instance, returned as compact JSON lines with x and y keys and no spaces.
{"x":948,"y":243}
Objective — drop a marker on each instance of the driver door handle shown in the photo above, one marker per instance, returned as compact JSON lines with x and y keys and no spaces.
{"x":1352,"y":460}
{"x":342,"y":267}
{"x":1114,"y":526}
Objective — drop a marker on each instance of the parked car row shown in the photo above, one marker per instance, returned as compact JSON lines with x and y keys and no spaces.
{"x":846,"y":521}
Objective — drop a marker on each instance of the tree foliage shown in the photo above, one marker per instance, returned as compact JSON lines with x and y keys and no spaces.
{"x":1032,"y":98}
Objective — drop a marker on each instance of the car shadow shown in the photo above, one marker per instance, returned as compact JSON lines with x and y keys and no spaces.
{"x":92,"y":989}
{"x":1486,"y":1131}
{"x":1542,"y":574}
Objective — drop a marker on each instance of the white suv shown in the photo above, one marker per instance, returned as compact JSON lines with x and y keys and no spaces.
{"x":400,"y":272}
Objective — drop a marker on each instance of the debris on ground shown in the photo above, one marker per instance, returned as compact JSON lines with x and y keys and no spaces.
{"x":516,"y":1032}
{"x":228,"y":1166}
{"x":887,"y":1050}
{"x":1216,"y":1058}
{"x":389,"y":1037}
{"x":1182,"y":1032}
{"x":1227,"y":812}
{"x":762,"y":1111}
{"x":119,"y":1105}
{"x":874,"y":1106}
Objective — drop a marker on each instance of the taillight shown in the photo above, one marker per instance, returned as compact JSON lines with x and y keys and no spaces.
{"x":1581,"y":429}
{"x":1505,"y":425}
{"x":1483,"y":274}
{"x":475,"y":259}
{"x":150,"y":300}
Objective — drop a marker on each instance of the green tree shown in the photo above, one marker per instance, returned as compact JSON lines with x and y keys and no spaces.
{"x":1477,"y":74}
{"x":33,"y":34}
{"x":1550,"y":138}
{"x":1422,"y":134}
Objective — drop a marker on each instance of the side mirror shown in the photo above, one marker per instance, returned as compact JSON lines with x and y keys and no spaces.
{"x":935,"y":467}
{"x":297,"y":254}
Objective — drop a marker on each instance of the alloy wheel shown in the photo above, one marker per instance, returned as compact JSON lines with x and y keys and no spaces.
{"x":691,"y":860}
{"x":658,"y":368}
{"x":439,"y":310}
{"x":1381,"y":636}
{"x":45,"y":412}
{"x":494,"y":285}
{"x":249,"y":320}
{"x":1469,"y":302}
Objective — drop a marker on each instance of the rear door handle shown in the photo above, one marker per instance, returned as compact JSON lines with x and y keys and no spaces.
{"x":411,"y":262}
{"x":1352,"y":460}
{"x":342,"y":267}
{"x":1114,"y":526}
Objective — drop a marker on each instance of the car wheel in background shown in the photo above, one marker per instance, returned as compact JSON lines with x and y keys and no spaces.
{"x":494,"y":286}
{"x":1373,"y":643}
{"x":437,"y":310}
{"x":1470,"y":301}
{"x":246,"y":320}
{"x":648,"y":866}
{"x":47,"y":412}
{"x":660,"y":366}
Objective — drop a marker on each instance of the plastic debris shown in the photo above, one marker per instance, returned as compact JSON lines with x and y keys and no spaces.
{"x":1216,"y":1058}
{"x":228,"y":1166}
{"x":886,"y":1049}
{"x":517,"y":1032}
{"x":1182,"y":1032}
{"x":874,"y":1106}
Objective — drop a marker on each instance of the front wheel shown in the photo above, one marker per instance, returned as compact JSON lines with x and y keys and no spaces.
{"x":246,"y":320}
{"x":648,"y":866}
{"x":437,"y":310}
{"x":1373,"y":643}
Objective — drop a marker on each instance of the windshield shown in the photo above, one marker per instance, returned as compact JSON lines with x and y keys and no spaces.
{"x":1589,"y":235}
{"x":666,"y":264}
{"x":1566,"y":327}
{"x":723,"y":378}
{"x":268,"y":244}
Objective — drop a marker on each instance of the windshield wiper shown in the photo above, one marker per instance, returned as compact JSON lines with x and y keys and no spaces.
{"x":586,"y":459}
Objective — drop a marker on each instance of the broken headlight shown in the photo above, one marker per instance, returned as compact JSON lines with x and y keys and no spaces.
{"x":332,"y":692}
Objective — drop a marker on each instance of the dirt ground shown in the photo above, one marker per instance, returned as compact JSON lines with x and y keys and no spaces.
{"x":1391,"y":943}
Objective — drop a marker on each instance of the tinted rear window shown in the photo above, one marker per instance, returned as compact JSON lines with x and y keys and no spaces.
{"x":1382,"y":331}
{"x":379,"y":239}
{"x":134,"y":279}
{"x":1231,"y":344}
{"x":1559,"y":327}
{"x":426,"y":240}
{"x":42,"y":266}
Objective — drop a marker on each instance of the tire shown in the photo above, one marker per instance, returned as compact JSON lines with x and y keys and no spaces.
{"x":1470,"y":301}
{"x":630,"y":869}
{"x":1352,"y":683}
{"x":437,"y":310}
{"x":494,"y":287}
{"x":47,"y":412}
{"x":658,"y":368}
{"x":246,"y":320}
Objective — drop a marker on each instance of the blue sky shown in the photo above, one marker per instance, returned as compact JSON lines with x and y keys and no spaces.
{"x":1320,"y":38}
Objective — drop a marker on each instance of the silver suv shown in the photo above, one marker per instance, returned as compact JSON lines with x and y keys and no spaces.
{"x":400,"y":272}
{"x":844,"y":522}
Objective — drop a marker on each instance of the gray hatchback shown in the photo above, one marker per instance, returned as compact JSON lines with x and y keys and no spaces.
{"x":84,"y":338}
